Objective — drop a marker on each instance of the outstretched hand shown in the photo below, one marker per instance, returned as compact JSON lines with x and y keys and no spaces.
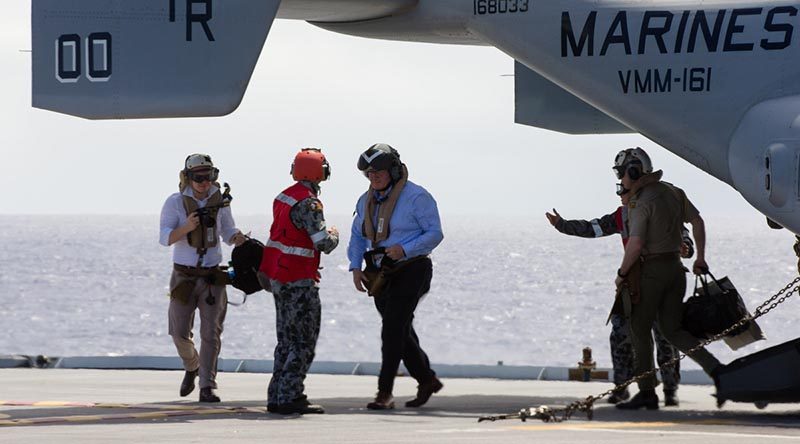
{"x":553,"y":218}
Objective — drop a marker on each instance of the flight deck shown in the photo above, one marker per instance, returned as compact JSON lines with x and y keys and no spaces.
{"x":133,"y":406}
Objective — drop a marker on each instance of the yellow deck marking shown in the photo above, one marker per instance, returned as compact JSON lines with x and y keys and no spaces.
{"x":109,"y":405}
{"x":161,"y":411}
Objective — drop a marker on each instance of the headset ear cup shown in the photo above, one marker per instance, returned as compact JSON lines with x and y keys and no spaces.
{"x":397,"y":171}
{"x":634,"y":173}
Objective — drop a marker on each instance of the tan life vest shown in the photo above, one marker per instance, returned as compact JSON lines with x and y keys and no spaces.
{"x":203,"y":237}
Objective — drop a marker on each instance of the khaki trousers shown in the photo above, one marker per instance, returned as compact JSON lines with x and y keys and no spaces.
{"x":663,"y":288}
{"x":212,"y":316}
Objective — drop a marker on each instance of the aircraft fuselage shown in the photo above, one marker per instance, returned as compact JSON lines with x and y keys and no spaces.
{"x":715,"y":82}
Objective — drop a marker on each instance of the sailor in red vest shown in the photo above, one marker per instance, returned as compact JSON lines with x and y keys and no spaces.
{"x":291,"y":262}
{"x":620,"y":341}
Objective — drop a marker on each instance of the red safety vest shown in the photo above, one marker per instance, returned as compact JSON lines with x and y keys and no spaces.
{"x":289,"y":255}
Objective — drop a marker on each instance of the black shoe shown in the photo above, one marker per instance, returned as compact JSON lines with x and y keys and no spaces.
{"x":187,"y":385}
{"x":671,"y":398}
{"x":383,"y":401}
{"x":645,"y":398}
{"x":425,"y":391}
{"x":207,"y":395}
{"x":619,"y":395}
{"x":301,"y":407}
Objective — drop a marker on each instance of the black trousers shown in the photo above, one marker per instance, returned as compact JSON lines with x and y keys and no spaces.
{"x":396,"y":305}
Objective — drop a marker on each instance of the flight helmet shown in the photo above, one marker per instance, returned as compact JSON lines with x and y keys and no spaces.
{"x":199,"y":166}
{"x":633,"y":161}
{"x":380,"y":157}
{"x":310,"y":164}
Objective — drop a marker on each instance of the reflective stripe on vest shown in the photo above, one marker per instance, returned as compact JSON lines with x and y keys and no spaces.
{"x":288,"y":200}
{"x":289,"y":255}
{"x":285,"y":249}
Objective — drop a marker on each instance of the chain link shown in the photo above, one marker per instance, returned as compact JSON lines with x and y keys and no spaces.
{"x":547,"y":414}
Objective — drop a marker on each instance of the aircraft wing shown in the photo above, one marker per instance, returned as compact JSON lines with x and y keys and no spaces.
{"x":543,"y":104}
{"x":112,"y":59}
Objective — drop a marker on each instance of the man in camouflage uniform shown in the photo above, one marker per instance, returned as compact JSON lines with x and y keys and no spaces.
{"x":620,"y":342}
{"x":655,"y":212}
{"x":291,"y":262}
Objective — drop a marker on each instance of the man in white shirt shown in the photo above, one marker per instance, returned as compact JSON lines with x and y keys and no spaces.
{"x":192,"y":221}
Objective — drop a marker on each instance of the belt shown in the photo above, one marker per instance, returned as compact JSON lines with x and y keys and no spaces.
{"x":661,"y":256}
{"x":194,"y":271}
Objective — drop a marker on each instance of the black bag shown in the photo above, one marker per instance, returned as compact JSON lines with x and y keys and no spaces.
{"x":714,"y":307}
{"x":377,"y":275}
{"x":246,"y":260}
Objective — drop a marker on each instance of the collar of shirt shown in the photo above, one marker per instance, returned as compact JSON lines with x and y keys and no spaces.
{"x":315,"y":188}
{"x":381,"y":198}
{"x":188,"y":191}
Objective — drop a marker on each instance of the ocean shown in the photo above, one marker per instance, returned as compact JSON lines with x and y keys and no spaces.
{"x":512,"y":291}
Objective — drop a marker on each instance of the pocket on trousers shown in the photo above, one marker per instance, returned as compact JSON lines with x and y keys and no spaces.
{"x":182,"y":292}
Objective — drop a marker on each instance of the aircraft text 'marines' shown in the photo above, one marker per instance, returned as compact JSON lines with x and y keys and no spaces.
{"x":677,"y":32}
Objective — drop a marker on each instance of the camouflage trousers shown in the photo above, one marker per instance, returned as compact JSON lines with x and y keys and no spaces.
{"x":622,"y":354}
{"x":297,"y":319}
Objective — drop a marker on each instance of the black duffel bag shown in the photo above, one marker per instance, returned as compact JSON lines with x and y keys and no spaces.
{"x":714,"y":307}
{"x":246,"y":260}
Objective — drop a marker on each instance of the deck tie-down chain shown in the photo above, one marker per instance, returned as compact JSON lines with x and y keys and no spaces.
{"x":547,"y":414}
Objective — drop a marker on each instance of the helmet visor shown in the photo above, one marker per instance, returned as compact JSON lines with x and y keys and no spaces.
{"x":375,"y":162}
{"x":203,"y":175}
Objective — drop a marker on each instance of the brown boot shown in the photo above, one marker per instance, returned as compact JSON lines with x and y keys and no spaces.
{"x":425,"y":391}
{"x":383,"y":401}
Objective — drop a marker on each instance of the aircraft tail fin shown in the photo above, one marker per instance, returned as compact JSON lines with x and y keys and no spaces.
{"x":116,"y":59}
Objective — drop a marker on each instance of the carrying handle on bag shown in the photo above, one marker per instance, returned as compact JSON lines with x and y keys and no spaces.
{"x":369,"y":258}
{"x":701,"y":278}
{"x":708,"y":272}
{"x":704,"y":282}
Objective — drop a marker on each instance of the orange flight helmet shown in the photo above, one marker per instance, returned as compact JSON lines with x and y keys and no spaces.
{"x":310,"y":164}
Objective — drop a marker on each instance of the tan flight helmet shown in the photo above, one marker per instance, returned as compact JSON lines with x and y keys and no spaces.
{"x":198,"y":166}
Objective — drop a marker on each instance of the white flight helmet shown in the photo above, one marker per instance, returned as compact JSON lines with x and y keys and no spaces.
{"x":194,"y":161}
{"x":633,"y":161}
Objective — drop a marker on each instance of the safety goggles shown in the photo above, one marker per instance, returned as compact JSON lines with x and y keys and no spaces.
{"x":619,"y":171}
{"x":204,"y":176}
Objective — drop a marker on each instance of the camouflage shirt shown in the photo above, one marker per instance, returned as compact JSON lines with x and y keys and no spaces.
{"x":614,"y":223}
{"x":308,"y":215}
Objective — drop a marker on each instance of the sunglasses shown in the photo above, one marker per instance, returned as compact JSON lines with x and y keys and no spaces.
{"x":206,"y":176}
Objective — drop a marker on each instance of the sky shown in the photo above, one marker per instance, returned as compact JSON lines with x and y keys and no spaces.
{"x":448,"y":110}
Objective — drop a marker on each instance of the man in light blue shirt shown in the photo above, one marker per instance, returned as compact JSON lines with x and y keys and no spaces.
{"x":397,"y":224}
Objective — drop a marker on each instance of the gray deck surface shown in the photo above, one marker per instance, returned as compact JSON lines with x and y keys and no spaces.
{"x":450,"y":416}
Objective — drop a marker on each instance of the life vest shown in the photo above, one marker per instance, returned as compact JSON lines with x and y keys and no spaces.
{"x":289,"y":255}
{"x":203,"y":237}
{"x":621,"y":218}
